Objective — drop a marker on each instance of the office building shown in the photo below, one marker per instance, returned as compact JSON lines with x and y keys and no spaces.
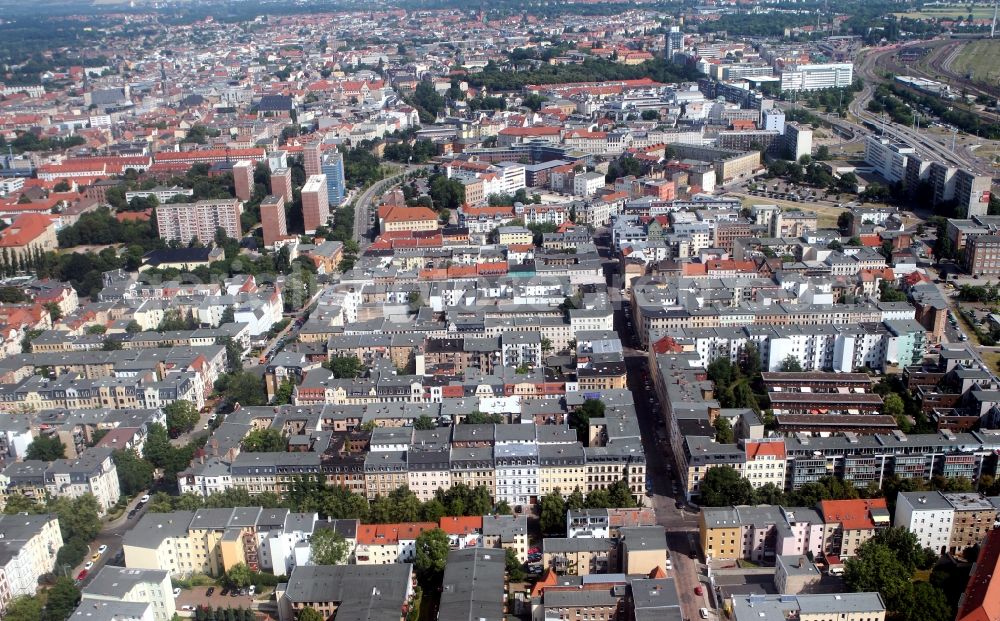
{"x":817,"y":77}
{"x":281,"y":183}
{"x":243,"y":179}
{"x":315,"y":204}
{"x":674,"y":43}
{"x":333,"y":167}
{"x":312,"y":154}
{"x":272,"y":219}
{"x":187,"y":221}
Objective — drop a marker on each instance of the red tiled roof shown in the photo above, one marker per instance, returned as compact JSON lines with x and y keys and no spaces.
{"x":26,"y":228}
{"x":982,"y":593}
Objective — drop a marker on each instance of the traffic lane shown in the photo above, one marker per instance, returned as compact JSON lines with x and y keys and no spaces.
{"x":687,"y":574}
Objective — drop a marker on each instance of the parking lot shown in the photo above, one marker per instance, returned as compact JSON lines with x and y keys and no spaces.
{"x":198,"y":596}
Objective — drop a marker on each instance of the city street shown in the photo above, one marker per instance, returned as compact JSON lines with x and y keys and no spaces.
{"x":681,"y":525}
{"x":111,"y":535}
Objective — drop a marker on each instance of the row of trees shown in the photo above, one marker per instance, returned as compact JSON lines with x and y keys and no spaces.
{"x":553,"y":506}
{"x":338,"y":502}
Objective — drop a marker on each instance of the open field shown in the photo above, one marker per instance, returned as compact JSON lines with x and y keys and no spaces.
{"x":991,"y":358}
{"x":978,"y":57}
{"x":827,"y":214}
{"x":949,"y":12}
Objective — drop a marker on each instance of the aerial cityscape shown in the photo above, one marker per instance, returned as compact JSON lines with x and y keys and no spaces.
{"x":431,"y":310}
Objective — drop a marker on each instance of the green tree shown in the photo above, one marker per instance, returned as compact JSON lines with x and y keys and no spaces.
{"x":62,"y":599}
{"x":515,"y":569}
{"x":575,"y":501}
{"x":791,"y":364}
{"x":769,"y":494}
{"x":19,"y":503}
{"x":431,"y":554}
{"x":96,"y":329}
{"x":46,"y":448}
{"x":552,"y":512}
{"x":265,"y":441}
{"x":310,"y":614}
{"x":344,"y":367}
{"x":723,"y":486}
{"x":892,"y":405}
{"x":328,"y":547}
{"x":579,"y":419}
{"x":620,"y":495}
{"x":283,"y":396}
{"x":182,"y":416}
{"x":723,"y":431}
{"x":239,"y":576}
{"x":424,"y":423}
{"x":922,"y":601}
{"x":133,"y":327}
{"x":242,"y":387}
{"x":476,"y":417}
{"x":135,"y":474}
{"x":876,"y":568}
{"x":24,"y":608}
{"x":78,"y":517}
{"x":55,"y":313}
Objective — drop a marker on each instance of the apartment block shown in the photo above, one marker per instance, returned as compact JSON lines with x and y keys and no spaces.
{"x":281,"y":183}
{"x":381,"y":592}
{"x":93,"y":472}
{"x":315,"y":203}
{"x":473,"y":586}
{"x":850,"y":523}
{"x":312,"y":155}
{"x":332,"y":166}
{"x":143,"y":586}
{"x":975,"y":516}
{"x":27,"y":552}
{"x":184,"y":222}
{"x":928,"y":515}
{"x":272,"y":219}
{"x":243,"y":179}
{"x":811,"y":607}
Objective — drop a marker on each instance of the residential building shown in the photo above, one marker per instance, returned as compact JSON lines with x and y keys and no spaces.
{"x":473,"y":586}
{"x":981,"y":599}
{"x":975,"y":516}
{"x":887,"y":158}
{"x":28,"y":235}
{"x":349,"y":592}
{"x":93,"y":472}
{"x":243,"y":179}
{"x":281,"y":183}
{"x":312,"y":154}
{"x":795,"y":574}
{"x":315,"y":203}
{"x":850,"y":523}
{"x":809,"y":607}
{"x":184,"y":222}
{"x":272,"y":219}
{"x":27,"y":552}
{"x":928,"y":515}
{"x":143,"y":586}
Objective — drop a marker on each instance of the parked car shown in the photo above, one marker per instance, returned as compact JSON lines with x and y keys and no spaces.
{"x":88,"y":566}
{"x":144,"y":499}
{"x":177,"y":591}
{"x":252,"y":589}
{"x":699,"y":590}
{"x":703,"y":613}
{"x":209,"y":592}
{"x":102,"y":549}
{"x":82,"y":575}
